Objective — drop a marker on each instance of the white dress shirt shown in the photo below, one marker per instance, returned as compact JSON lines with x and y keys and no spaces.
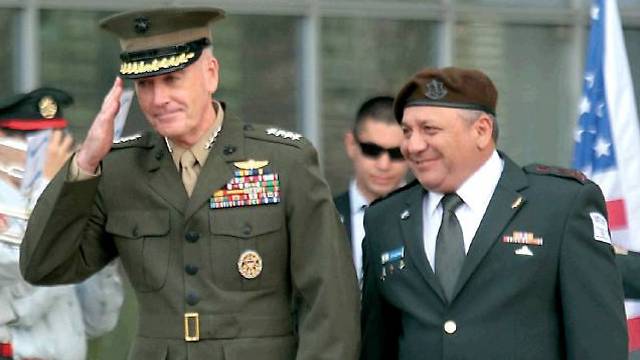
{"x":476,"y":192}
{"x":358,"y":205}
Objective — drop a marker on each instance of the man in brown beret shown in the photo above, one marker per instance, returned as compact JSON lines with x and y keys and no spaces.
{"x":480,"y":258}
{"x":221,"y":226}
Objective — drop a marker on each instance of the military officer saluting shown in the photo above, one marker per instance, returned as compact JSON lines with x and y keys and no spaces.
{"x":219,"y":225}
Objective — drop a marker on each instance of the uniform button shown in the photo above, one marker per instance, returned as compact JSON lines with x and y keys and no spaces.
{"x":229,"y":149}
{"x":247,"y":229}
{"x":192,"y":236}
{"x":191,"y":269}
{"x":134,"y":232}
{"x":192,"y":298}
{"x":450,"y":327}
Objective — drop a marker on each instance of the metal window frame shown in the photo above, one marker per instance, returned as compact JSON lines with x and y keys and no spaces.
{"x":311,"y":12}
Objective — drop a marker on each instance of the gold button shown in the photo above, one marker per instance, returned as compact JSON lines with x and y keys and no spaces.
{"x":450,"y":327}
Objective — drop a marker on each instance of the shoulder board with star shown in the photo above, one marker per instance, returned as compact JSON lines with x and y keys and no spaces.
{"x":556,"y":171}
{"x":273,"y":134}
{"x":135,"y":140}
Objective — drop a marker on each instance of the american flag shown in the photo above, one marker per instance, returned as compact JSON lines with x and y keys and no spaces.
{"x":607,"y":139}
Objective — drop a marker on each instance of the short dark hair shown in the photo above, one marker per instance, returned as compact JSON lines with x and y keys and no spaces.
{"x":377,"y":108}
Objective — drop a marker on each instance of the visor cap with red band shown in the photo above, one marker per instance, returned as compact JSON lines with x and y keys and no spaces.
{"x":37,"y":110}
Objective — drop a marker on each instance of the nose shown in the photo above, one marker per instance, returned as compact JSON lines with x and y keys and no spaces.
{"x":383,"y":162}
{"x":413,"y":144}
{"x":160,"y":94}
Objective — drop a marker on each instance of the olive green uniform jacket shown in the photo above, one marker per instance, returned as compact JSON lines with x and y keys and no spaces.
{"x":182,"y":256}
{"x":560,"y":299}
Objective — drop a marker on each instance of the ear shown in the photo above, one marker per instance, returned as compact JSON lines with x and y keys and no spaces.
{"x":483,"y":128}
{"x":211,"y":69}
{"x":350,"y":144}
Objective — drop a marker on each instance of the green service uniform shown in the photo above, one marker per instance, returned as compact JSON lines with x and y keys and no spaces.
{"x":185,"y":256}
{"x":539,"y":280}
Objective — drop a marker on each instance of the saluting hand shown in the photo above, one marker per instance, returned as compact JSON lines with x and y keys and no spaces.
{"x":100,"y":136}
{"x":58,"y":151}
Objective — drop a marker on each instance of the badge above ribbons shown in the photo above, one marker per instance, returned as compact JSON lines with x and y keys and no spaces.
{"x":251,"y":185}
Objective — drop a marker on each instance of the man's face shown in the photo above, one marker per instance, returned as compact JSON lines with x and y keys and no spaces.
{"x":442,"y":148}
{"x":178,"y":104}
{"x":378,"y":175}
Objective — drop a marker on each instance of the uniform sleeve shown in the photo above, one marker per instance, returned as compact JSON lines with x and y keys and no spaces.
{"x":65,"y":241}
{"x":322,"y":272}
{"x":590,"y":284}
{"x":379,"y":320}
{"x":100,"y":298}
{"x":629,"y":266}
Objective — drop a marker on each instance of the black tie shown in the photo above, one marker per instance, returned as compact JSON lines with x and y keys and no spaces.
{"x":449,"y":245}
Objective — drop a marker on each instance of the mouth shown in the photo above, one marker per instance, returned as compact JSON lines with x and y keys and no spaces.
{"x":166,"y":115}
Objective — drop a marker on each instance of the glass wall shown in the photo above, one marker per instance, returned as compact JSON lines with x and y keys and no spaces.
{"x":536,"y":107}
{"x":369,"y":61}
{"x":8,"y":25}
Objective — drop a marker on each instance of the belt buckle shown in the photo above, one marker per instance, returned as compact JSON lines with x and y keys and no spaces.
{"x":191,"y":317}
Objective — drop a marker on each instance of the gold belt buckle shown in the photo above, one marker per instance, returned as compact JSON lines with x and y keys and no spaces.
{"x":189,"y":318}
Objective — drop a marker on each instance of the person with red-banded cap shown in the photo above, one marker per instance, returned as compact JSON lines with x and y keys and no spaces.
{"x":44,"y":323}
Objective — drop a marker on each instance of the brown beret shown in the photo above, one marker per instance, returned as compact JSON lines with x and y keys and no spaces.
{"x":162,"y":40}
{"x":448,"y":87}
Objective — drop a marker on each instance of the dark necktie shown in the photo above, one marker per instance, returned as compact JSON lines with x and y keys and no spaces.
{"x":449,"y":245}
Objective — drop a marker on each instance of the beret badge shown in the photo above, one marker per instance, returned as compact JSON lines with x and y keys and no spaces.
{"x":141,"y":24}
{"x":47,"y":107}
{"x":435,"y":90}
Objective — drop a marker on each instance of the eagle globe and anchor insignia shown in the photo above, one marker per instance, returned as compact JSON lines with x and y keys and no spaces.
{"x":250,"y":264}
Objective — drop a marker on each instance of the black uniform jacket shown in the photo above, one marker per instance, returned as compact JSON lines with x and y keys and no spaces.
{"x":516,"y":297}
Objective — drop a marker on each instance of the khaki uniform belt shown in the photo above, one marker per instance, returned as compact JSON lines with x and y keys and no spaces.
{"x":194,"y":326}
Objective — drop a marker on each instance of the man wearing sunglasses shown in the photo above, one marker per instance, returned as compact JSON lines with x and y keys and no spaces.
{"x":373,"y":145}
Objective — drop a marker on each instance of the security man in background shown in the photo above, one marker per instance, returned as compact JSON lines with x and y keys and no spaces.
{"x":218,"y":224}
{"x":480,"y":258}
{"x":373,"y":146}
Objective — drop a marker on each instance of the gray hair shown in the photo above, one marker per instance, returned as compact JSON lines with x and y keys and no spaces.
{"x":470,"y":116}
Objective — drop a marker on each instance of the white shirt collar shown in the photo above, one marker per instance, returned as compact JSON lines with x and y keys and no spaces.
{"x":357,"y":200}
{"x":477,"y":190}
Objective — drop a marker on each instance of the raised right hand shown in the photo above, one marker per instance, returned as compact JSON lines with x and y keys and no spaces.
{"x":100,"y":136}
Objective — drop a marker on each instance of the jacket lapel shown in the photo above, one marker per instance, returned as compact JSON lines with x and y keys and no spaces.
{"x":218,"y":169}
{"x":502,"y":207}
{"x":412,"y":233}
{"x":163,"y":177}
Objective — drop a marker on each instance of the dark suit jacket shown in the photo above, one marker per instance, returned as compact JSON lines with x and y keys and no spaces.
{"x":343,"y":204}
{"x":629,"y":266}
{"x":182,"y":256}
{"x":563,"y":302}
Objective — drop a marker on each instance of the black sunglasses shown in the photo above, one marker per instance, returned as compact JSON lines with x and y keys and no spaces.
{"x":373,"y":150}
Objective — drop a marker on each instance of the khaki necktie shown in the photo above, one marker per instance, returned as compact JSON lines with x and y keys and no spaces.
{"x":188,"y":164}
{"x":449,"y":245}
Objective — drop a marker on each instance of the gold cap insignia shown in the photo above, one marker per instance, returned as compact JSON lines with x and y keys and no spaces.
{"x":251,"y":164}
{"x":48,"y":107}
{"x":250,"y":264}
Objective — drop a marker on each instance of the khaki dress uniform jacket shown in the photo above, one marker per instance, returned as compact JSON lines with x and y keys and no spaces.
{"x":182,"y":256}
{"x":555,"y":294}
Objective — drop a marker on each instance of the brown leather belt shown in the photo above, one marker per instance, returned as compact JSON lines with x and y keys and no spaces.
{"x":194,"y":326}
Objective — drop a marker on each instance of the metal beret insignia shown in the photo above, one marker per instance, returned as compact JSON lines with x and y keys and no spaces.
{"x":435,"y":90}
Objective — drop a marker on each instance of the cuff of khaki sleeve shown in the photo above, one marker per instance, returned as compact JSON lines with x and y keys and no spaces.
{"x":78,"y":174}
